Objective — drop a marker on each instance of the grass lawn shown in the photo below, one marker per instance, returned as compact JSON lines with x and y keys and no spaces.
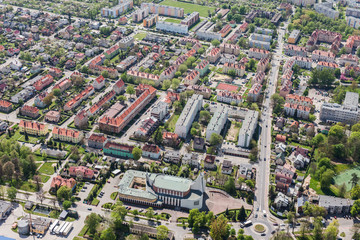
{"x":140,"y":36}
{"x":28,"y":186}
{"x":113,"y":195}
{"x":302,"y":146}
{"x":172,"y":121}
{"x":38,"y":164}
{"x":19,"y":137}
{"x":189,"y":7}
{"x":173,"y":20}
{"x":47,"y":168}
{"x":345,"y":177}
{"x":44,"y":178}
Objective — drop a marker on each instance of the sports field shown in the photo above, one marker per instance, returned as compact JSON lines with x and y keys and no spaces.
{"x":189,"y":7}
{"x":345,"y":177}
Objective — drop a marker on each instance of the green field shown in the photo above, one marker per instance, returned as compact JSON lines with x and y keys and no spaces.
{"x":140,"y":36}
{"x":173,"y":20}
{"x":47,"y":168}
{"x":172,"y":121}
{"x":345,"y":177}
{"x":189,"y":7}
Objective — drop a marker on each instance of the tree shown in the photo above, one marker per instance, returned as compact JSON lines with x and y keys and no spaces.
{"x":40,"y":196}
{"x":355,"y":192}
{"x":2,"y":192}
{"x":204,"y":117}
{"x":130,"y":90}
{"x":11,"y":193}
{"x":326,"y":178}
{"x":166,"y":84}
{"x":118,"y":214}
{"x":57,"y":92}
{"x":162,"y":232}
{"x":48,"y":99}
{"x":92,"y":221}
{"x":201,"y":50}
{"x":337,"y":72}
{"x":232,"y":72}
{"x":242,"y":214}
{"x":354,"y":180}
{"x":136,"y":152}
{"x":250,"y":183}
{"x":175,"y":83}
{"x":318,"y":231}
{"x":332,"y":230}
{"x":215,"y":42}
{"x":67,"y":204}
{"x":63,"y":193}
{"x":237,"y":18}
{"x":219,"y":228}
{"x":37,"y":180}
{"x":291,"y":219}
{"x":278,"y":102}
{"x":107,"y":234}
{"x":150,"y":213}
{"x":230,"y":185}
{"x":183,"y":68}
{"x":342,"y":190}
{"x":215,"y":139}
{"x":8,"y":170}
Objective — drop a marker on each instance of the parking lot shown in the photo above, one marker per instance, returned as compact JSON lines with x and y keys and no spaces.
{"x":84,"y":192}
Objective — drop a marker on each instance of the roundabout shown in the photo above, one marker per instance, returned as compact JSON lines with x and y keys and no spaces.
{"x":259,"y":228}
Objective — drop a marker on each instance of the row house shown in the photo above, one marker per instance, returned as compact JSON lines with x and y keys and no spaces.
{"x":298,"y":110}
{"x":328,"y":65}
{"x":201,"y":90}
{"x":99,"y":82}
{"x":147,"y":127}
{"x":43,"y":82}
{"x":202,"y":67}
{"x":192,"y":78}
{"x":119,"y":87}
{"x":118,"y":150}
{"x":115,"y":125}
{"x":333,"y":38}
{"x":350,"y":68}
{"x":258,"y":53}
{"x":112,"y":52}
{"x":287,"y":76}
{"x":151,"y":151}
{"x":263,"y":65}
{"x":254,"y":92}
{"x":126,"y":63}
{"x":33,"y":128}
{"x":73,"y":103}
{"x":229,"y":97}
{"x":319,"y":55}
{"x":67,"y":135}
{"x":230,"y":48}
{"x":97,"y":140}
{"x":225,"y":30}
{"x":303,"y":62}
{"x":237,"y":67}
{"x":97,"y":106}
{"x":289,"y":64}
{"x":55,"y":72}
{"x":299,"y":100}
{"x":168,"y":73}
{"x":285,"y":88}
{"x":144,"y":76}
{"x":29,"y":111}
{"x":214,"y":55}
{"x":5,"y":106}
{"x":63,"y":85}
{"x":352,"y":42}
{"x":348,"y":59}
{"x":258,"y":78}
{"x":294,"y":50}
{"x":77,"y":76}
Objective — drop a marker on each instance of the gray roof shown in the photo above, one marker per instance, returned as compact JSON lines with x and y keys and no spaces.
{"x":4,"y":206}
{"x":330,"y":201}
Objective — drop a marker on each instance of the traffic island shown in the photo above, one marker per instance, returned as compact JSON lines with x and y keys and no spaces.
{"x":259,"y":228}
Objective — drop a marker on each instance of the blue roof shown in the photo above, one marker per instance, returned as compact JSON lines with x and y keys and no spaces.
{"x":6,"y":238}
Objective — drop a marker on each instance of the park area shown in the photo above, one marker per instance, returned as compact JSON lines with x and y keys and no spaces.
{"x":345,"y":177}
{"x":189,"y":7}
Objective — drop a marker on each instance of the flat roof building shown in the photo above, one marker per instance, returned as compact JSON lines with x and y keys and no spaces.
{"x":248,"y":128}
{"x":217,"y":122}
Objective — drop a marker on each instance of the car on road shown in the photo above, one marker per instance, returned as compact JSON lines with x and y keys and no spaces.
{"x":90,"y":209}
{"x":263,"y":234}
{"x":264,"y":212}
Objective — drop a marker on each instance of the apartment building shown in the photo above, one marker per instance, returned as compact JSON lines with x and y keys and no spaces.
{"x":303,"y":62}
{"x":294,"y":36}
{"x":140,"y":14}
{"x":294,"y":50}
{"x":63,"y":85}
{"x":225,"y":30}
{"x":116,"y":123}
{"x":164,"y":10}
{"x":286,"y":76}
{"x":214,"y":55}
{"x":319,"y":55}
{"x":206,"y":92}
{"x":348,"y":59}
{"x":326,"y":9}
{"x":230,"y":48}
{"x":150,"y":20}
{"x":29,"y":111}
{"x":352,"y":42}
{"x":172,"y":27}
{"x":258,"y":78}
{"x":168,"y":73}
{"x":144,"y":76}
{"x":347,"y":113}
{"x":354,"y":12}
{"x":265,"y":31}
{"x":33,"y":128}
{"x":302,"y":2}
{"x":55,"y":72}
{"x":126,"y":63}
{"x":5,"y":106}
{"x":285,"y":88}
{"x":151,"y":151}
{"x":263,"y":65}
{"x":192,"y":78}
{"x":52,"y":116}
{"x":67,"y":135}
{"x":217,"y":122}
{"x":126,"y":42}
{"x":97,"y":141}
{"x":160,"y":111}
{"x":258,"y":53}
{"x":248,"y":128}
{"x":116,"y":11}
{"x":254,"y":92}
{"x":327,"y":65}
{"x":333,"y":38}
{"x":289,"y":64}
{"x":43,"y":82}
{"x":73,"y":103}
{"x":261,"y":41}
{"x":237,"y":67}
{"x":202,"y":67}
{"x":191,"y":109}
{"x":335,"y":205}
{"x":299,"y":105}
{"x":228,"y":97}
{"x":118,"y":150}
{"x":191,"y":19}
{"x":95,"y":108}
{"x":99,"y":82}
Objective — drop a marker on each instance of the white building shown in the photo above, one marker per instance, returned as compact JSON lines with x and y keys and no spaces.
{"x":217,"y":122}
{"x":248,"y":128}
{"x":326,"y":9}
{"x":172,"y":27}
{"x":191,"y":109}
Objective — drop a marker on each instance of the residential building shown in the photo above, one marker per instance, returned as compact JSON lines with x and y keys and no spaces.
{"x":228,"y":97}
{"x":289,"y":64}
{"x":172,"y":27}
{"x":319,"y":55}
{"x":335,"y":205}
{"x":118,"y":150}
{"x":168,"y":73}
{"x":5,"y":106}
{"x":347,"y":113}
{"x":126,"y":42}
{"x":191,"y":109}
{"x":52,"y":116}
{"x":245,"y":171}
{"x":170,"y":139}
{"x":254,"y":92}
{"x":160,"y":111}
{"x":119,"y":87}
{"x":147,"y":127}
{"x":353,"y":22}
{"x":55,"y":72}
{"x":162,"y":190}
{"x":348,"y":59}
{"x":333,"y":38}
{"x":352,"y":42}
{"x":217,"y":122}
{"x":5,"y":209}
{"x":202,"y":67}
{"x":191,"y":19}
{"x":294,"y":50}
{"x":58,"y":182}
{"x":99,"y":82}
{"x":33,"y":128}
{"x":225,"y":30}
{"x":164,"y":10}
{"x":326,"y":9}
{"x":67,"y":135}
{"x":114,"y":12}
{"x":258,"y":78}
{"x":302,"y":2}
{"x":75,"y":102}
{"x":116,"y":124}
{"x":199,"y":143}
{"x":81,"y":172}
{"x":206,"y":92}
{"x":151,"y":151}
{"x":81,"y":119}
{"x":287,"y":76}
{"x":192,"y":78}
{"x":260,"y":41}
{"x":43,"y":82}
{"x":144,"y":76}
{"x":281,"y":201}
{"x":209,"y":162}
{"x":172,"y":157}
{"x":125,"y":64}
{"x":263,"y":64}
{"x":214,"y":55}
{"x":237,"y":67}
{"x":230,"y":48}
{"x":97,"y":106}
{"x":140,"y":14}
{"x":258,"y":53}
{"x":326,"y":65}
{"x":29,"y":111}
{"x":63,"y":85}
{"x":303,"y":62}
{"x":97,"y":141}
{"x":191,"y":159}
{"x":112,"y":52}
{"x":226,"y":167}
{"x":248,"y":128}
{"x":150,"y":20}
